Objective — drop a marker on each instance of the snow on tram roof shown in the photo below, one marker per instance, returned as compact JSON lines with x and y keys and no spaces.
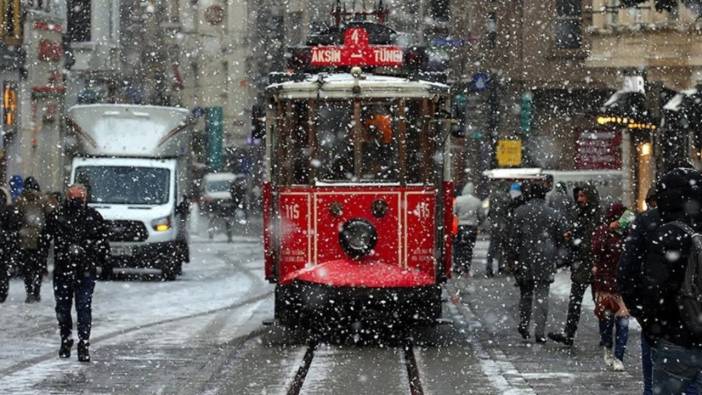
{"x":340,"y":85}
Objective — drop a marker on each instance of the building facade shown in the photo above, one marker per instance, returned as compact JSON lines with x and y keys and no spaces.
{"x":658,"y":44}
{"x":34,"y":91}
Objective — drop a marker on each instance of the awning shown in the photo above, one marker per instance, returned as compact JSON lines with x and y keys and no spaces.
{"x":627,"y":107}
{"x":627,"y":104}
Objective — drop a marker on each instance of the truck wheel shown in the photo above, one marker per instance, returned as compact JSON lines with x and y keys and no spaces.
{"x":170,"y":271}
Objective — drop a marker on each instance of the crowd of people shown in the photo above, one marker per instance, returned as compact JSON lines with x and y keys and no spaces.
{"x":647,"y":266}
{"x":30,"y":222}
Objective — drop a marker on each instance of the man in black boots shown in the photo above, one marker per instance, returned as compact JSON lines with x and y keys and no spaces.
{"x":80,"y":241}
{"x":587,"y":218}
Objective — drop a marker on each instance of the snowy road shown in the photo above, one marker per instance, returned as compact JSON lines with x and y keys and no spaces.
{"x":204,"y":334}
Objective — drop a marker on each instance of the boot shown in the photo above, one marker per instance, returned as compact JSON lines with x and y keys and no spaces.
{"x":83,"y":351}
{"x":561,"y":338}
{"x":608,"y":357}
{"x":65,"y":350}
{"x":524,"y":332}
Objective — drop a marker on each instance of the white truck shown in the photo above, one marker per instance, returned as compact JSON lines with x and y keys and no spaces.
{"x":134,"y":160}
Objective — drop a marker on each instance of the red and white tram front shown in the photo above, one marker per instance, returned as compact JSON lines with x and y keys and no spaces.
{"x":358,"y":202}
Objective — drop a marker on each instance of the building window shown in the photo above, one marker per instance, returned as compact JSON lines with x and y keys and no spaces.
{"x":440,"y":10}
{"x":612,"y":12}
{"x":79,"y":20}
{"x":568,"y":24}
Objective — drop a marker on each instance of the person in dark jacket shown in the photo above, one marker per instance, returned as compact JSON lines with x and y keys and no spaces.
{"x":535,"y":232}
{"x":586,"y":219}
{"x":32,"y":209}
{"x":651,"y":274}
{"x":610,"y":309}
{"x":80,"y":243}
{"x":8,"y":230}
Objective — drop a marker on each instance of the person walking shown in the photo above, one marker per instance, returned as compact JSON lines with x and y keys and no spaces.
{"x":535,"y":231}
{"x":610,"y":309}
{"x":469,"y":210}
{"x":32,"y":209}
{"x":652,"y":272}
{"x":586,"y":219}
{"x":80,"y":244}
{"x":497,"y":220}
{"x":8,"y":229}
{"x":559,"y":200}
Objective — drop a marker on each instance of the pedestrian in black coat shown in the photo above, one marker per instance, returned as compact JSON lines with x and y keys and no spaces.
{"x":8,"y":234}
{"x":80,"y":243}
{"x":650,"y":277}
{"x":587,"y":217}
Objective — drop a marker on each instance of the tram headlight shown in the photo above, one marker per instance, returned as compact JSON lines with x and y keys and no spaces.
{"x":358,"y":238}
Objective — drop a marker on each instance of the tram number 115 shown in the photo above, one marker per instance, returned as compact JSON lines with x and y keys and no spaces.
{"x":291,"y":211}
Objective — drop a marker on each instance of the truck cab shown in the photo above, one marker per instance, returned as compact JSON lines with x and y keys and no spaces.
{"x":134,"y":163}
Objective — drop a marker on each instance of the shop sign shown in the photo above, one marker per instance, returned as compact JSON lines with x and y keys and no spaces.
{"x":356,"y":51}
{"x":50,"y":51}
{"x":598,"y":149}
{"x":509,"y":153}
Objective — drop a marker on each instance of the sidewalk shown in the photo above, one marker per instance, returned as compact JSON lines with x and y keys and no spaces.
{"x":550,"y":368}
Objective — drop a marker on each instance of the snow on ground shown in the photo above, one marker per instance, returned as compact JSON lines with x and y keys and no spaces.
{"x":216,"y":278}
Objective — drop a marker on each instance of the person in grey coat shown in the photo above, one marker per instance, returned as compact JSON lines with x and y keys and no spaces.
{"x":536,"y":231}
{"x":469,"y":210}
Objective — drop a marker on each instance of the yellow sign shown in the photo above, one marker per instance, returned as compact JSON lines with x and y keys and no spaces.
{"x":509,"y":153}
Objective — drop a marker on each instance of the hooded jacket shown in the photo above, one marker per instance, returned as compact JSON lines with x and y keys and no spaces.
{"x":585,"y":220}
{"x":664,"y":256}
{"x":607,"y":250}
{"x":468,"y":208}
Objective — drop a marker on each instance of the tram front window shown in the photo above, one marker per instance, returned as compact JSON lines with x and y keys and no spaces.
{"x":355,"y":141}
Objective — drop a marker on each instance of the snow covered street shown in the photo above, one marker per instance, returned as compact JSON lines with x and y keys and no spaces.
{"x":204,"y":334}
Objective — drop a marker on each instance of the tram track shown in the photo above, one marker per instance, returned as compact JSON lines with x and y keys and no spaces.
{"x":413,"y":378}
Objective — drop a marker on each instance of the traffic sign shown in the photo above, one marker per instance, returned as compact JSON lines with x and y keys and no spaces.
{"x":509,"y":153}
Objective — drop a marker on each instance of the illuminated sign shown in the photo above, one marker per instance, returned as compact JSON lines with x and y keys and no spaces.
{"x":356,"y":51}
{"x":9,"y":104}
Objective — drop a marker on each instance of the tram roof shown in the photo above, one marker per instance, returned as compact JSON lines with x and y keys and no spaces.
{"x":333,"y":86}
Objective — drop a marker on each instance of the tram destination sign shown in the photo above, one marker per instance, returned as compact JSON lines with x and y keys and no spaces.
{"x":356,"y":51}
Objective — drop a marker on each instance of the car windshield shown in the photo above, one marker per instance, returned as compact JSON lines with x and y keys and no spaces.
{"x":218,"y":186}
{"x":125,"y":184}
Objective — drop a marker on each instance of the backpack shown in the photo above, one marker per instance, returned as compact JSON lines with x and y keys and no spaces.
{"x":33,"y":222}
{"x":689,"y":297}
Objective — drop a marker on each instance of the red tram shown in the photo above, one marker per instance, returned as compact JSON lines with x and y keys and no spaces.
{"x":358,"y":196}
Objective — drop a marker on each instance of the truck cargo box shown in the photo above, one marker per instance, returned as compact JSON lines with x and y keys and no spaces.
{"x":125,"y":130}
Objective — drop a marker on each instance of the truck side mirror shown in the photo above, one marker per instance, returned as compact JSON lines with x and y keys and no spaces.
{"x":183,"y":207}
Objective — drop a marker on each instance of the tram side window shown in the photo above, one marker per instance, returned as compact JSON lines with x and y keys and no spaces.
{"x":295,"y":144}
{"x":422,"y":143}
{"x":334,"y":131}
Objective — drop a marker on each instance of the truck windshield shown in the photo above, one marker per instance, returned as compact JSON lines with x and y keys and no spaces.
{"x":125,"y":184}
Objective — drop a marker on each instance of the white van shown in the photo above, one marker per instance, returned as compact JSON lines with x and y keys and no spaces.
{"x":134,"y":160}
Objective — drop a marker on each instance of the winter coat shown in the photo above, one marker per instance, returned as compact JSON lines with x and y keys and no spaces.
{"x":9,"y":224}
{"x":607,"y":247}
{"x":655,"y":254}
{"x":80,"y":239}
{"x":468,"y":208}
{"x":585,"y":220}
{"x":32,"y":208}
{"x":535,"y":232}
